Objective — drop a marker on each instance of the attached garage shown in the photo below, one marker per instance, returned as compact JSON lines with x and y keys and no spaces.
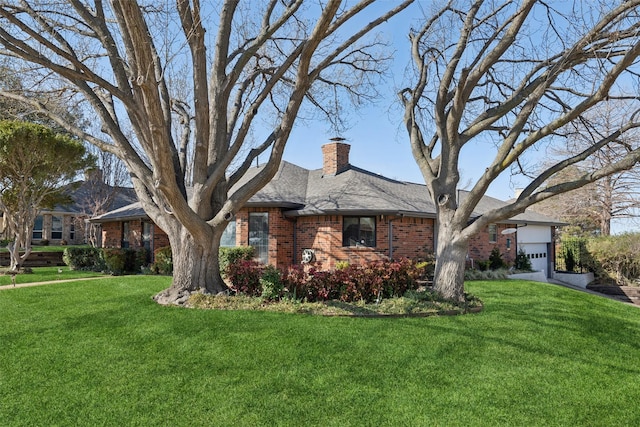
{"x":535,"y":241}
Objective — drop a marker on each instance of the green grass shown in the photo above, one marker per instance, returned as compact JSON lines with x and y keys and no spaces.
{"x":102,"y":352}
{"x":45,"y":274}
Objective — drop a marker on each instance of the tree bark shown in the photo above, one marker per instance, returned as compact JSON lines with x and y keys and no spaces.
{"x":451,"y":253}
{"x":196,"y":267}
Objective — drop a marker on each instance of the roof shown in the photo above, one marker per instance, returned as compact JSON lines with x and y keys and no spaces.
{"x":303,"y":192}
{"x":488,"y":203}
{"x":83,"y":194}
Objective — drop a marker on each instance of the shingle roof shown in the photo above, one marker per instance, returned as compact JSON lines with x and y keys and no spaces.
{"x":488,"y":203}
{"x":81,"y":193}
{"x":302,"y":192}
{"x":356,"y":191}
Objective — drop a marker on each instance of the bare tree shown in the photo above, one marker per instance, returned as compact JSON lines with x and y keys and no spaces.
{"x":616,"y":196}
{"x":512,"y":74}
{"x":100,"y":190}
{"x":256,"y":63}
{"x":578,"y":208}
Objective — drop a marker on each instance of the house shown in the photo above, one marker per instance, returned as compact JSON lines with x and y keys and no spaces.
{"x":68,"y":224}
{"x":334,"y":214}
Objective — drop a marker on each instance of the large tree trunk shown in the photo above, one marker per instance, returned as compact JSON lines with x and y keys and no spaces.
{"x":196,"y":267}
{"x":451,"y":253}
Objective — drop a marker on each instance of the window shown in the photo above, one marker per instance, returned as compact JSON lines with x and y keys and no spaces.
{"x":228,"y":239}
{"x":125,"y":234}
{"x":72,"y":231}
{"x":259,"y":234}
{"x":146,"y":235}
{"x":37,"y":228}
{"x":359,"y":231}
{"x":56,"y":227}
{"x":493,"y":233}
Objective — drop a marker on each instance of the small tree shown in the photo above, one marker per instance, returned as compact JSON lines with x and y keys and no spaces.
{"x":34,"y":164}
{"x":495,"y":259}
{"x":522,"y":262}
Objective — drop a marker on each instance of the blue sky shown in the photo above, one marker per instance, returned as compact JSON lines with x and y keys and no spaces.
{"x":379,"y":142}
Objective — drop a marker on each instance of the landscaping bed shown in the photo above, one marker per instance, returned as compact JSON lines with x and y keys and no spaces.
{"x":419,"y":303}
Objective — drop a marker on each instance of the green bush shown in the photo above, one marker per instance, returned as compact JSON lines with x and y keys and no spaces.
{"x":495,"y":259}
{"x":227,"y":256}
{"x":115,"y":260}
{"x":87,"y":259}
{"x":522,"y":261}
{"x":616,"y":257}
{"x":271,"y":282}
{"x":162,"y":261}
{"x":573,"y":251}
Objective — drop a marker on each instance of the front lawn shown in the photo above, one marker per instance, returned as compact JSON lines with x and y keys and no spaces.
{"x":102,"y":352}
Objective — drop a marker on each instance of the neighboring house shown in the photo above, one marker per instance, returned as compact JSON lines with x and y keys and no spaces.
{"x":68,"y":224}
{"x":337,"y":213}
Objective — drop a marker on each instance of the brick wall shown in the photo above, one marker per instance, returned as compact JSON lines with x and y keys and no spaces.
{"x":480,"y":247}
{"x":112,"y":235}
{"x":411,"y":238}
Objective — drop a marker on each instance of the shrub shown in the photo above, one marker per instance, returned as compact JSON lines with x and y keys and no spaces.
{"x":341,"y":265}
{"x":427,"y":267}
{"x":44,"y":242}
{"x":369,"y":282}
{"x":574,"y":252}
{"x":522,"y":262}
{"x":483,"y":265}
{"x":569,"y":260}
{"x":140,"y":259}
{"x":495,"y":259}
{"x":271,"y":283}
{"x":616,"y":257}
{"x":162,"y":261}
{"x":245,"y":277}
{"x":115,"y":260}
{"x":229,"y":256}
{"x":88,"y":259}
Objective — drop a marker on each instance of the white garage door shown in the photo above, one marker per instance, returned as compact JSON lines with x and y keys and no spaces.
{"x":537,"y":253}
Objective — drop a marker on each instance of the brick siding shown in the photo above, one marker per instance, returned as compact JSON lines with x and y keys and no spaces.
{"x":480,"y":247}
{"x":411,"y":238}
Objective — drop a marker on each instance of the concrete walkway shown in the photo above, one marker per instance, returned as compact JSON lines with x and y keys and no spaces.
{"x":50,"y":282}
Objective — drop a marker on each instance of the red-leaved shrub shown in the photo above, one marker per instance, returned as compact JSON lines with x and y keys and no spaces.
{"x":368,"y":282}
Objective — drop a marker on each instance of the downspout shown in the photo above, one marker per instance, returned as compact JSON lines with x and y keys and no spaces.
{"x":295,"y":240}
{"x":390,"y":238}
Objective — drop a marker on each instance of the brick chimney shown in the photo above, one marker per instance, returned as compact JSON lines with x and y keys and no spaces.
{"x":335,"y":157}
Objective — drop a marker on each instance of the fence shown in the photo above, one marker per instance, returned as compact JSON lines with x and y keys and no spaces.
{"x":572,"y":255}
